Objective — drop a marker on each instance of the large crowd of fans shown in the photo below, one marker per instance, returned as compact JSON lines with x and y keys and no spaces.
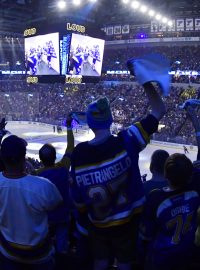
{"x":93,"y":204}
{"x":181,"y":57}
{"x":50,"y":103}
{"x":58,"y":205}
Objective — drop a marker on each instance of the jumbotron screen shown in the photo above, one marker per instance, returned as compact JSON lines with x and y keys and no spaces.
{"x":85,"y":56}
{"x":42,"y":55}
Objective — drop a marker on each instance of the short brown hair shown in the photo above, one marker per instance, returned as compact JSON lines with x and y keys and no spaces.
{"x":158,"y":160}
{"x":178,"y":170}
{"x":47,"y":154}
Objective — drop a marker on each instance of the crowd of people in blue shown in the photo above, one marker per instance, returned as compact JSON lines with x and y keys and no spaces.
{"x":49,"y":103}
{"x":91,"y":210}
{"x":183,"y":58}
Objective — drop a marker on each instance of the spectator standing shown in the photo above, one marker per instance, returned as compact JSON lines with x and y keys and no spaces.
{"x":25,"y":201}
{"x":157,"y":164}
{"x":3,"y":131}
{"x":169,"y":220}
{"x":58,"y":174}
{"x":107,"y":182}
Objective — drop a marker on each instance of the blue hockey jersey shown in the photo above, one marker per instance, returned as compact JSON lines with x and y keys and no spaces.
{"x":106,"y":177}
{"x":169,"y":222}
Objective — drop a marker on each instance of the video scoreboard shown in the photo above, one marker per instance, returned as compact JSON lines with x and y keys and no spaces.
{"x":70,"y":55}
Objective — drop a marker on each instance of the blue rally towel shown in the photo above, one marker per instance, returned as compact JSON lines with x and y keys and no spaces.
{"x":152,"y":68}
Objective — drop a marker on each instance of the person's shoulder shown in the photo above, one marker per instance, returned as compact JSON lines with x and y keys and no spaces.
{"x":79,"y":148}
{"x":56,"y":173}
{"x":81,"y":145}
{"x":36,"y":180}
{"x":156,"y":195}
{"x":155,"y":184}
{"x":42,"y":170}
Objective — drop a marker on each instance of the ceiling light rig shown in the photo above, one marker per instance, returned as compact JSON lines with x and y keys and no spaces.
{"x":61,"y":4}
{"x":76,"y":2}
{"x":134,"y":4}
{"x":126,"y":1}
{"x":137,"y":5}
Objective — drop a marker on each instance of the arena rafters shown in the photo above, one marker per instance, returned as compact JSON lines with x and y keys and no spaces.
{"x":17,"y":15}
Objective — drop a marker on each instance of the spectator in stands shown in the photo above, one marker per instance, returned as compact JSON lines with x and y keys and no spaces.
{"x":3,"y":131}
{"x":58,"y":174}
{"x":169,"y":219}
{"x":158,"y":179}
{"x":25,"y":201}
{"x":47,"y":105}
{"x":107,"y":183}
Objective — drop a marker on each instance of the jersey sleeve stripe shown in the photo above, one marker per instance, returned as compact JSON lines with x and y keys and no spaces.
{"x":167,"y":203}
{"x":139,"y":134}
{"x":164,"y":205}
{"x":143,"y":132}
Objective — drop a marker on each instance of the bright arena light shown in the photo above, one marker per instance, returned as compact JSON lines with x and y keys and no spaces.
{"x":61,"y":4}
{"x":76,"y":2}
{"x":170,"y":23}
{"x":135,"y":4}
{"x":158,"y":17}
{"x":164,"y":20}
{"x":151,"y":13}
{"x":143,"y":9}
{"x":125,"y":1}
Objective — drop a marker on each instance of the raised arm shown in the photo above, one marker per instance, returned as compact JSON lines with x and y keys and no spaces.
{"x":155,"y":100}
{"x":66,"y":161}
{"x":70,"y":136}
{"x":191,"y":112}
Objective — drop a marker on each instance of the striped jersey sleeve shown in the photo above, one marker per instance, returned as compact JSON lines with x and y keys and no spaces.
{"x":142,"y":130}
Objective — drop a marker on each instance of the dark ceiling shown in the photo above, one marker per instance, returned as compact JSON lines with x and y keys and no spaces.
{"x":17,"y":15}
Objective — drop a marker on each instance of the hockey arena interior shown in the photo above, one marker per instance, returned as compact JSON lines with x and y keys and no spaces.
{"x":99,"y":135}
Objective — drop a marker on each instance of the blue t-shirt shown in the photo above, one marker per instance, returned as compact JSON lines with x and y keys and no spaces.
{"x":59,"y":177}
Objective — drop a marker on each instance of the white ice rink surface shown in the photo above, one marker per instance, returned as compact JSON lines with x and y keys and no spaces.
{"x":38,"y":134}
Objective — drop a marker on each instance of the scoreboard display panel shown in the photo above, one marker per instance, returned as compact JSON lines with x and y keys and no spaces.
{"x":66,"y":55}
{"x":42,"y":55}
{"x":85,"y":56}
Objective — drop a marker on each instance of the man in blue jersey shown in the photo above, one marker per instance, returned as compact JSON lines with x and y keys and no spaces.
{"x":169,"y":220}
{"x":107,"y":182}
